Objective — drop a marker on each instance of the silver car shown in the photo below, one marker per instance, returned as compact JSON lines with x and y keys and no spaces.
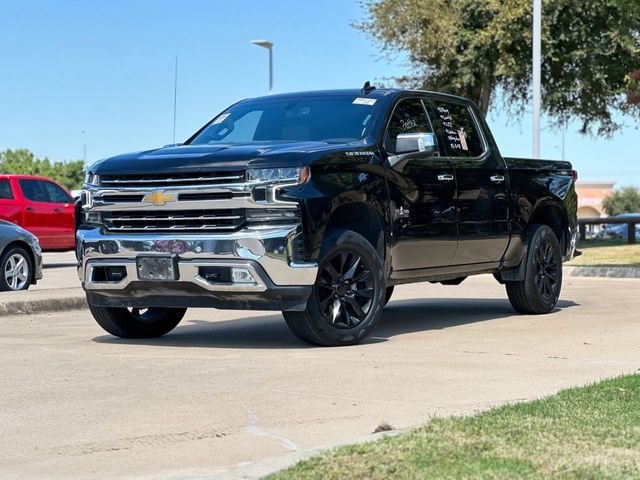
{"x":20,"y":258}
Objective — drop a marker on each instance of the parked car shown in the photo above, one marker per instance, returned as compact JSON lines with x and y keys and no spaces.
{"x":20,"y":257}
{"x":618,"y":230}
{"x":317,"y":204}
{"x":41,"y":206}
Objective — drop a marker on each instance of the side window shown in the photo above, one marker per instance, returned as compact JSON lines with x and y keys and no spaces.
{"x":32,"y":190}
{"x":55,"y":193}
{"x":455,"y":124}
{"x":5,"y":190}
{"x":409,"y":116}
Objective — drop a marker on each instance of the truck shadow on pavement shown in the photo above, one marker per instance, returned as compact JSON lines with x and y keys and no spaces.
{"x":271,"y":332}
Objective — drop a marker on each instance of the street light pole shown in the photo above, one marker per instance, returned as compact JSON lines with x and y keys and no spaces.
{"x":269,"y":46}
{"x":537,"y":74}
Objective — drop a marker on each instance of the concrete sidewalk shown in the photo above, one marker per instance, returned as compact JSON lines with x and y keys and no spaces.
{"x":58,"y":290}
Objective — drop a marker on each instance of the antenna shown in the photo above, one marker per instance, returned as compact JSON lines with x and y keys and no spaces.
{"x":175,"y":100}
{"x":368,"y":88}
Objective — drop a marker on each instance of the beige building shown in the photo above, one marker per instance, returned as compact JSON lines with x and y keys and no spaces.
{"x":590,"y":196}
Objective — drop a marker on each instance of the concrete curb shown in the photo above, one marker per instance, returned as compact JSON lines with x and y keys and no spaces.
{"x":263,"y":468}
{"x":610,"y":272}
{"x":42,"y":305}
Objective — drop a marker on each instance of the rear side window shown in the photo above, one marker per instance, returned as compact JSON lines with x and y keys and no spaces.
{"x":32,"y":190}
{"x":5,"y":190}
{"x":456,"y":125}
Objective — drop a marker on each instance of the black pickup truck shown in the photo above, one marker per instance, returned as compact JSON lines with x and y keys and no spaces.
{"x":317,"y":204}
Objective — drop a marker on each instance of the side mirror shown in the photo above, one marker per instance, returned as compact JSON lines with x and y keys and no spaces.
{"x":416,"y":142}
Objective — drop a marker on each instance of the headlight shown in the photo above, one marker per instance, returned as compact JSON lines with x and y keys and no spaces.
{"x":91,"y":179}
{"x":91,"y":218}
{"x":278,"y":175}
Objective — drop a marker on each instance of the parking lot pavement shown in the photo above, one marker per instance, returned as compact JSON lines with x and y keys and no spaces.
{"x":228,"y":389}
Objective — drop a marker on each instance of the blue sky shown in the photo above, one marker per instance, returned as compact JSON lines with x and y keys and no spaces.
{"x":107,"y":69}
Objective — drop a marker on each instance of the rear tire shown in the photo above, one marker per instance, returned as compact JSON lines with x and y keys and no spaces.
{"x":347,"y":299}
{"x":539,"y":291}
{"x":134,"y":323}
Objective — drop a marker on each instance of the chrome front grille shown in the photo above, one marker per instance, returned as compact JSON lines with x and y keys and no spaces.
{"x":186,"y":221}
{"x":173,"y":179}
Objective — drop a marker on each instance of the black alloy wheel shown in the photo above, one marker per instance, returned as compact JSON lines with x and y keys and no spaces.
{"x":539,"y":290}
{"x":548,"y":265}
{"x":347,"y":298}
{"x":345,"y":289}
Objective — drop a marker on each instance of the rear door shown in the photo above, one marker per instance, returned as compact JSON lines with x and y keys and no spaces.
{"x":10,"y":208}
{"x":482,"y":181}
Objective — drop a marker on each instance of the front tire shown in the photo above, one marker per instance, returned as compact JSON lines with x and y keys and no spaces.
{"x":16,"y":270}
{"x":137,"y":322}
{"x":539,"y":291}
{"x":347,"y":299}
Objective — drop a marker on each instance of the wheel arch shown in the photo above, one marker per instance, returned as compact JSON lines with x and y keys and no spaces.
{"x":551,"y":214}
{"x":362,"y":218}
{"x":27,"y":248}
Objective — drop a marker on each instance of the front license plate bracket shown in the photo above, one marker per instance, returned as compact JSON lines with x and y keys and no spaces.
{"x":158,"y":268}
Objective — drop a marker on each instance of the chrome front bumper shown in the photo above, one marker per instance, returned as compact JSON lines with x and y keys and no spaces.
{"x":267,"y":254}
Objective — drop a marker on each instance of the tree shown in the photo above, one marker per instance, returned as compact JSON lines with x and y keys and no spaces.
{"x":482,"y":48}
{"x":22,"y":161}
{"x":624,"y":200}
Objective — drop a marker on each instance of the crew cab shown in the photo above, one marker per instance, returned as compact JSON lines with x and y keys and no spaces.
{"x":40,"y":206}
{"x":317,"y":204}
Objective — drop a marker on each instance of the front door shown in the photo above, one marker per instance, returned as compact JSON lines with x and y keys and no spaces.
{"x":482,"y":181}
{"x":422,"y":193}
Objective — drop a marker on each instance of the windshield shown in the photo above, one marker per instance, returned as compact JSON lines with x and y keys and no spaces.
{"x":334,"y":119}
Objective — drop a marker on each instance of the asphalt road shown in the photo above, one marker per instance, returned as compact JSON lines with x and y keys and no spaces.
{"x":228,"y":390}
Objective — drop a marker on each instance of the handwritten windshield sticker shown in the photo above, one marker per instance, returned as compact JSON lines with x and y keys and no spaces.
{"x":463,"y":139}
{"x":364,"y":101}
{"x":455,"y":138}
{"x":408,"y":124}
{"x":220,"y":119}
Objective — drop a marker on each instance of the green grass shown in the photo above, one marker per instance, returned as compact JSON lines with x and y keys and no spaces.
{"x":602,"y":253}
{"x":591,"y":432}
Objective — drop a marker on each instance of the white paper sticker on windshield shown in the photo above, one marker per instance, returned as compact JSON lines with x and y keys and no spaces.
{"x":364,"y":101}
{"x":463,"y":139}
{"x":220,"y":119}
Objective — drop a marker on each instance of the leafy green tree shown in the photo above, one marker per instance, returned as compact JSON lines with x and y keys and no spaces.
{"x":22,"y":161}
{"x":482,"y":48}
{"x":623,"y":200}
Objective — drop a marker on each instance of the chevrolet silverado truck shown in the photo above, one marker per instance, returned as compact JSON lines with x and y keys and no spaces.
{"x":317,"y":204}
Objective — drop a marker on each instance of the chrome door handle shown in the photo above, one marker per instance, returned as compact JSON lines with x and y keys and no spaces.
{"x":497,"y":178}
{"x":447,"y":177}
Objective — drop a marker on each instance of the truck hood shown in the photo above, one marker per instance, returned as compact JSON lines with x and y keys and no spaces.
{"x":194,"y":158}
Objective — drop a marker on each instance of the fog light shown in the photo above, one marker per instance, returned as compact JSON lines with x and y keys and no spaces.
{"x":242,"y":275}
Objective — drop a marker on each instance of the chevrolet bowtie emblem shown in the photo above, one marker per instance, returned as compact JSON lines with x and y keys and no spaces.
{"x":159,"y":198}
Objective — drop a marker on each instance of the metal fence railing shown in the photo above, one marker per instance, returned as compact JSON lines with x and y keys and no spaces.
{"x":630,"y":220}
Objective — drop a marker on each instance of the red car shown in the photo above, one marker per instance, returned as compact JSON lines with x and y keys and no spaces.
{"x":40,"y":206}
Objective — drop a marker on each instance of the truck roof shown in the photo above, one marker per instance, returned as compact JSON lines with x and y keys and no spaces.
{"x":376,"y":93}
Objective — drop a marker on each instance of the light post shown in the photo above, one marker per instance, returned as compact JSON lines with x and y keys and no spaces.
{"x":537,"y":60}
{"x":269,"y":46}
